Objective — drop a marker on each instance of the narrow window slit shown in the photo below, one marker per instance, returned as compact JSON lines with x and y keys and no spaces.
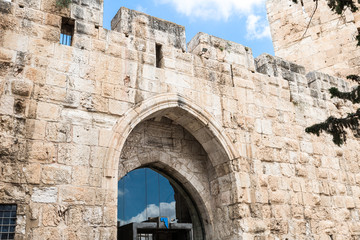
{"x":159,"y":56}
{"x":67,"y":31}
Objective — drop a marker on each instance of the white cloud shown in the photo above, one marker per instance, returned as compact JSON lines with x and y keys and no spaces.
{"x":122,"y":193}
{"x":257,"y":27}
{"x":214,"y":9}
{"x":167,"y":210}
{"x":140,"y":9}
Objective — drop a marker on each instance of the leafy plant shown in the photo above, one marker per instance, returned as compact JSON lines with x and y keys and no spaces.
{"x":63,"y":3}
{"x":337,"y":126}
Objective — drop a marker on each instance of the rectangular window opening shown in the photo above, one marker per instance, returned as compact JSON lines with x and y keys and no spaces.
{"x":7,"y":221}
{"x":159,"y":56}
{"x":67,"y":31}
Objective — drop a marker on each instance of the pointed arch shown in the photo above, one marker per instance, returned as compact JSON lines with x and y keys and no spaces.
{"x":181,"y":110}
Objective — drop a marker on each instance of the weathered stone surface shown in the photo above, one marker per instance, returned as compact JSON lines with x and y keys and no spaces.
{"x":45,"y":195}
{"x":321,"y":48}
{"x":227,"y":127}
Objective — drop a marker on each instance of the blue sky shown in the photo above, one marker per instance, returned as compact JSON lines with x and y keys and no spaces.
{"x":241,"y":21}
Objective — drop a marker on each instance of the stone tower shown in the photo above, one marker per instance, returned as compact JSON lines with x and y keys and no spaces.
{"x":328,"y":45}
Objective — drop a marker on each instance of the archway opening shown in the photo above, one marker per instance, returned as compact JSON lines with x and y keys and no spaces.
{"x":154,"y":206}
{"x":196,"y":152}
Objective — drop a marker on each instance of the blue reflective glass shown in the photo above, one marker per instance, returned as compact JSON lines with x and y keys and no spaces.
{"x":152,"y":193}
{"x":135,"y":198}
{"x":143,"y":194}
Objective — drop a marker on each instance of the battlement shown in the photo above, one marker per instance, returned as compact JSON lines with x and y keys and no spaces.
{"x":141,"y":25}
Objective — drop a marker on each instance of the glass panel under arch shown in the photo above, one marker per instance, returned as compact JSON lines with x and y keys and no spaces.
{"x":144,"y":194}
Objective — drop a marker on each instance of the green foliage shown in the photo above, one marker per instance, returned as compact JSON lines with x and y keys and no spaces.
{"x":63,"y":3}
{"x":337,"y":126}
{"x":339,"y":6}
{"x":358,"y":39}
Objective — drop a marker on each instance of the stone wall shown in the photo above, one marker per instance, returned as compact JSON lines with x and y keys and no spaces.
{"x":328,"y":45}
{"x":66,"y":113}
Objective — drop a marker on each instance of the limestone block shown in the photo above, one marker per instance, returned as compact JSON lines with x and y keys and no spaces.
{"x":74,"y":154}
{"x":252,"y":225}
{"x":7,"y":104}
{"x":84,"y":85}
{"x":94,"y":103}
{"x":306,"y":147}
{"x":46,"y":233}
{"x":58,"y":132}
{"x":80,"y":176}
{"x":109,"y":233}
{"x":50,"y":216}
{"x":105,"y":137}
{"x":76,"y":195}
{"x":5,"y":6}
{"x":278,"y":196}
{"x":32,"y":173}
{"x":110,"y":215}
{"x":93,"y":215}
{"x":35,"y":75}
{"x":14,"y":41}
{"x":7,"y":56}
{"x":56,"y":174}
{"x":42,"y":151}
{"x":44,"y":195}
{"x":118,"y":107}
{"x":21,"y":87}
{"x":56,"y":79}
{"x":239,"y":211}
{"x":48,"y":111}
{"x":95,"y":177}
{"x":52,"y":20}
{"x":85,"y":135}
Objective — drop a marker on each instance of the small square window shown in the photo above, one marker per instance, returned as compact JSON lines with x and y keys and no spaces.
{"x":7,"y":221}
{"x":67,"y":31}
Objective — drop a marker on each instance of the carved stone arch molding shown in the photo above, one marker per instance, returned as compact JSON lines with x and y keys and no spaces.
{"x":214,"y":140}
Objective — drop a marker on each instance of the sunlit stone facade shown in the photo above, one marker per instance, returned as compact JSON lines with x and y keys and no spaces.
{"x":69,"y":114}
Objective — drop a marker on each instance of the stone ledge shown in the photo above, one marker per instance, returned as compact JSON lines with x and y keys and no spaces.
{"x":277,"y":67}
{"x":131,"y":22}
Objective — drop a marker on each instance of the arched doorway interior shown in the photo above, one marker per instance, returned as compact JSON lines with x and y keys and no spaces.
{"x":147,"y":196}
{"x":211,"y":181}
